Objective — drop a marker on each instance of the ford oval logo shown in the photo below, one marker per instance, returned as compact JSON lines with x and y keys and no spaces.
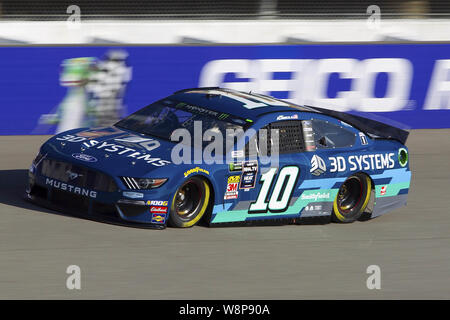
{"x":84,"y":157}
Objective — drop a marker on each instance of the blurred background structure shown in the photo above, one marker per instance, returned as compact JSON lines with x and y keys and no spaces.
{"x":223,"y":21}
{"x":387,"y":59}
{"x":223,"y":9}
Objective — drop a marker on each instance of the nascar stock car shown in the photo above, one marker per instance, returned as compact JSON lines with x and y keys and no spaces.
{"x":331,"y":166}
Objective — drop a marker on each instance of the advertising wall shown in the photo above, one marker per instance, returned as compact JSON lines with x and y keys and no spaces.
{"x":48,"y":89}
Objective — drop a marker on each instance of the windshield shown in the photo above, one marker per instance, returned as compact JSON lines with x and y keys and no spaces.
{"x":161,"y":118}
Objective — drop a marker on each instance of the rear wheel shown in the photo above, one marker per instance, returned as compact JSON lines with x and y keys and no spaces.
{"x":352,"y":198}
{"x":189,"y":203}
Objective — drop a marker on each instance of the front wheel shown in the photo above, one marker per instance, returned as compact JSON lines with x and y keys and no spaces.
{"x":352,"y":198}
{"x":189,"y":203}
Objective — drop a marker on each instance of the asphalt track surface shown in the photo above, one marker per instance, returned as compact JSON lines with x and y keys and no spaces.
{"x":411,"y":246}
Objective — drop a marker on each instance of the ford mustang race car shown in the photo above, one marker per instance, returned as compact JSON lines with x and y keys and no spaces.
{"x":292,"y":164}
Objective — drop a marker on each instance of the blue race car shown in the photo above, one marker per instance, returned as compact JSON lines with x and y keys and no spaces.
{"x":292,"y":164}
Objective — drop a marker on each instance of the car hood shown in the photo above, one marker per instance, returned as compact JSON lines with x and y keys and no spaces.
{"x":112,"y":150}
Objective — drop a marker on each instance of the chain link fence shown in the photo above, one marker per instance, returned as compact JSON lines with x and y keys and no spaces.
{"x":222,"y":9}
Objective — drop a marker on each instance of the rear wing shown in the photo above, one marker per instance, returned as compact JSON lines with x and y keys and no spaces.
{"x":372,"y":128}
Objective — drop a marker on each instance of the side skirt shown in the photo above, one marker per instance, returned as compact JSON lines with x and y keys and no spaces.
{"x":274,"y":222}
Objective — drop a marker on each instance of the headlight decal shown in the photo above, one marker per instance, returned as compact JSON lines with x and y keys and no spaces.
{"x":142,"y":183}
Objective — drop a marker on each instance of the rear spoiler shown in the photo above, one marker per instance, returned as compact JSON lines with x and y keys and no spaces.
{"x":372,"y":128}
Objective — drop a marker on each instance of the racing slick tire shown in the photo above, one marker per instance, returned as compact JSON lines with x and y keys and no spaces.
{"x":352,"y":198}
{"x":189,"y":203}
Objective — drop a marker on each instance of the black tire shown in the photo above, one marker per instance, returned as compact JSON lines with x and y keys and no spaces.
{"x":189,"y":203}
{"x":352,"y":198}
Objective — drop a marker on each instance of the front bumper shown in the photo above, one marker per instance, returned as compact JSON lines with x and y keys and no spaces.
{"x":114,"y":206}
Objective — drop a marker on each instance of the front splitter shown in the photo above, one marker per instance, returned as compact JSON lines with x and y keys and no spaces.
{"x":94,"y":216}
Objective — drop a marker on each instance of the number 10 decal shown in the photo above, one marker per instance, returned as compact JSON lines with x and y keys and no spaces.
{"x":282,"y":192}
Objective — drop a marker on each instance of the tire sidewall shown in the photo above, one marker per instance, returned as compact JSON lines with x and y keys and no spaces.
{"x":358,"y":210}
{"x":175,"y":220}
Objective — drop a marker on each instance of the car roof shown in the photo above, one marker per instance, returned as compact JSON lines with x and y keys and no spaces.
{"x":234,"y":102}
{"x":242,"y":104}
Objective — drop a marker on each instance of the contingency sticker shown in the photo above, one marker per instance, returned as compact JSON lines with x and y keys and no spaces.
{"x":158,"y":218}
{"x":249,"y":173}
{"x":232,"y":191}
